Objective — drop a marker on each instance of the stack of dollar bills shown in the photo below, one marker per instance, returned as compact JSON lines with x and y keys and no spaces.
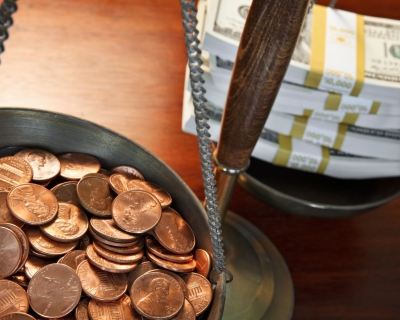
{"x":338,"y":110}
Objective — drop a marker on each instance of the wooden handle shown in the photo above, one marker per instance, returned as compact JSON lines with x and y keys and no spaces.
{"x":265,"y":50}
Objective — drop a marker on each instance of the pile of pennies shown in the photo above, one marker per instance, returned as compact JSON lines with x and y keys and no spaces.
{"x":81,"y":242}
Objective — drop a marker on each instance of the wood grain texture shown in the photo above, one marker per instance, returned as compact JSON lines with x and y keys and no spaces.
{"x":266,"y":47}
{"x":121,"y":64}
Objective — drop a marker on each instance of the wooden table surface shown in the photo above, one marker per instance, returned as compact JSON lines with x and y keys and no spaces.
{"x":121,"y":64}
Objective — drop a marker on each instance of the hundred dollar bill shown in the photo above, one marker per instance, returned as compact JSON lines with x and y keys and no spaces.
{"x":351,"y":54}
{"x":298,"y":154}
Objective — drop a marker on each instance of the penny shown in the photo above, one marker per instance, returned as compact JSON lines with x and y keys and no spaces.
{"x":174,"y":233}
{"x":73,"y":258}
{"x":47,"y":246}
{"x":177,"y":267}
{"x":34,"y":264}
{"x":38,"y":254}
{"x":141,"y":269}
{"x":23,"y":239}
{"x":119,"y":182}
{"x":95,"y":195}
{"x":66,"y":192}
{"x":154,"y":247}
{"x":120,"y":309}
{"x":169,"y":209}
{"x":107,"y":265}
{"x":200,"y":291}
{"x":106,"y":228}
{"x":20,"y":278}
{"x":70,"y":223}
{"x":128,"y":171}
{"x":45,"y":165}
{"x":117,"y":257}
{"x":54,"y":291}
{"x":82,"y":310}
{"x":111,"y":243}
{"x":123,"y":250}
{"x":75,"y":165}
{"x":62,"y":318}
{"x":13,"y":172}
{"x":101,"y":285}
{"x":5,"y":214}
{"x":136,"y":211}
{"x":203,"y":262}
{"x":186,"y":313}
{"x":13,"y":298}
{"x":17,"y":316}
{"x":177,"y":278}
{"x":157,"y":295}
{"x":32,"y":203}
{"x":162,"y":195}
{"x":10,"y":252}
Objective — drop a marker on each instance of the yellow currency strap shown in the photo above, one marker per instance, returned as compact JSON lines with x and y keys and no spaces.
{"x":324,"y":160}
{"x":308,"y":112}
{"x":317,"y":59}
{"x":342,"y":129}
{"x":285,"y":149}
{"x":333,"y":101}
{"x":350,"y":118}
{"x":375,"y":107}
{"x":360,"y":57}
{"x":298,"y":127}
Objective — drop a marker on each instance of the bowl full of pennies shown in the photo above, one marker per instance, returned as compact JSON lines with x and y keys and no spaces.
{"x":93,"y":226}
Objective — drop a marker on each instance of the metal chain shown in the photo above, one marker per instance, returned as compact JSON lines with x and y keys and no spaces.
{"x":189,"y":12}
{"x":8,"y":7}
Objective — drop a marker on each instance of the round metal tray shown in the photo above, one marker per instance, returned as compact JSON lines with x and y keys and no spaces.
{"x":315,"y":195}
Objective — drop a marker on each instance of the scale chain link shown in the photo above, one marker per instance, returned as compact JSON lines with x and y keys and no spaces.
{"x":8,"y":7}
{"x":189,"y":12}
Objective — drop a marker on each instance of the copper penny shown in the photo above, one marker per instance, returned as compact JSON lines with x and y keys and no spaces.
{"x":169,"y":209}
{"x":13,"y":172}
{"x":45,"y":165}
{"x":119,"y":182}
{"x":157,"y":295}
{"x":186,"y":313}
{"x":73,"y":258}
{"x":128,"y":171}
{"x":5,"y":214}
{"x":66,"y":192}
{"x":174,"y":233}
{"x":117,"y":257}
{"x":17,"y":316}
{"x":111,"y":243}
{"x":136,"y":211}
{"x":101,"y":285}
{"x":70,"y":224}
{"x":108,"y":265}
{"x":177,"y":278}
{"x":35,"y":253}
{"x":23,"y":239}
{"x":10,"y":252}
{"x":141,"y":269}
{"x":82,"y":310}
{"x":203,"y":262}
{"x":13,"y":298}
{"x":34,"y":264}
{"x":47,"y":246}
{"x":123,"y":250}
{"x":120,"y":309}
{"x":162,"y":195}
{"x":176,"y":267}
{"x":95,"y":195}
{"x":200,"y":291}
{"x":154,"y":247}
{"x":54,"y":291}
{"x":75,"y":165}
{"x":107,"y":229}
{"x":32,"y":204}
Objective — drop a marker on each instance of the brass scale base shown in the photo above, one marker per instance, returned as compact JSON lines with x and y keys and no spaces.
{"x":262,"y":287}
